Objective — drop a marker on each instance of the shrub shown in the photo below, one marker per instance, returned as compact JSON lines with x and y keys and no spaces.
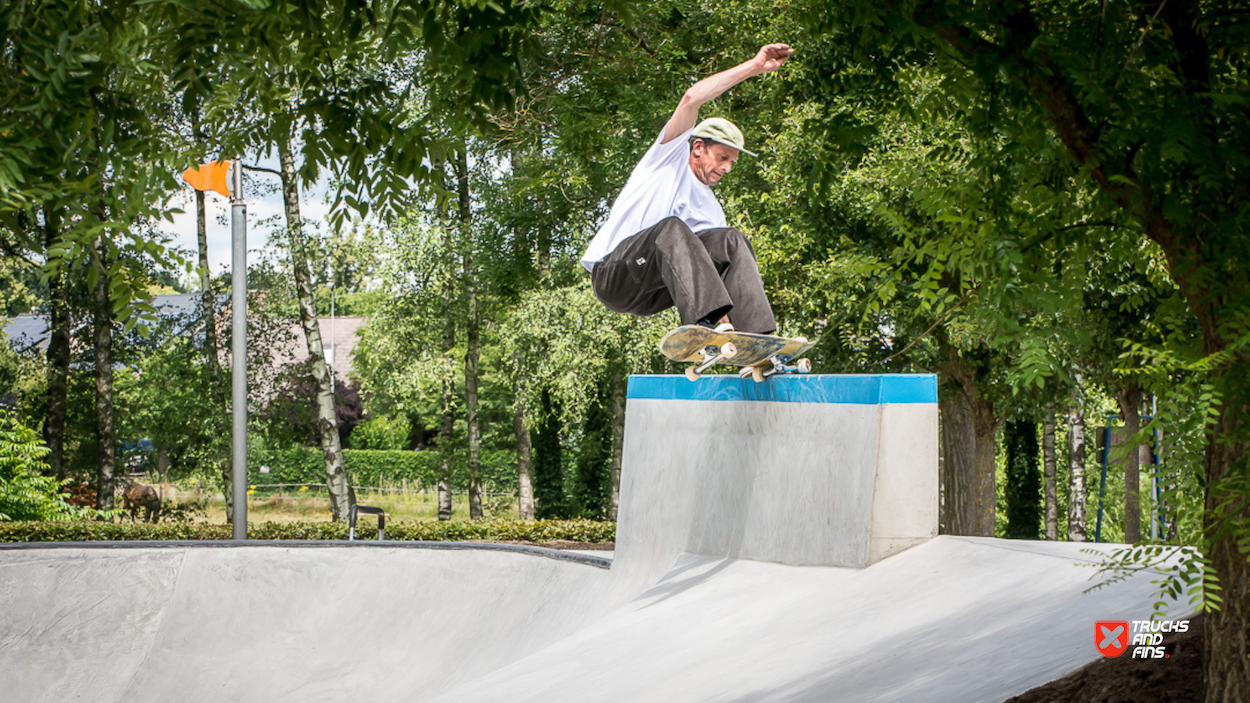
{"x":387,"y":433}
{"x":412,"y":531}
{"x":24,"y":493}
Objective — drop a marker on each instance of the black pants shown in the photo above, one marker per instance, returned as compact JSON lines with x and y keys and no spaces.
{"x":706,"y":275}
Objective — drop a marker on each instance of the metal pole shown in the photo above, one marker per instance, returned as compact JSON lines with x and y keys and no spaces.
{"x":1156,"y":481}
{"x":1102,"y":482}
{"x":333,"y":347}
{"x":238,"y":285}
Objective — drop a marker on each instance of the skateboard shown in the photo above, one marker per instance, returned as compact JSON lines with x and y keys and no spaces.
{"x":759,"y":355}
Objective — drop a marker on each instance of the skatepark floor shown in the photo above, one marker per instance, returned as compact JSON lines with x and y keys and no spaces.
{"x":955,"y":619}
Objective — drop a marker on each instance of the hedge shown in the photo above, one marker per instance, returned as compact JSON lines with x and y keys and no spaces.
{"x":408,"y":530}
{"x":371,"y":467}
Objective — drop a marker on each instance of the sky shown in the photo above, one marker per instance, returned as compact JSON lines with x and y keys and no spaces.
{"x":264,"y":216}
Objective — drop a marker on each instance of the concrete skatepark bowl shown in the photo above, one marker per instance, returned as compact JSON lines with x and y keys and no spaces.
{"x":775,"y":542}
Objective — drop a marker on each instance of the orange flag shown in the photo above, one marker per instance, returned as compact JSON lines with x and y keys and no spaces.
{"x":209,"y":176}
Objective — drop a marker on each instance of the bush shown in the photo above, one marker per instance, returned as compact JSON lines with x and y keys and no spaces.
{"x":386,"y":433}
{"x":409,"y":531}
{"x":24,"y":493}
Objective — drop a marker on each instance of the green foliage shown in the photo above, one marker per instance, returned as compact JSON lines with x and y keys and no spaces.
{"x":24,"y":493}
{"x":1024,"y":481}
{"x":387,"y":433}
{"x":166,"y":396}
{"x":434,"y":531}
{"x":549,"y":459}
{"x":20,"y":287}
{"x":564,"y":341}
{"x":22,"y":382}
{"x":1139,"y":114}
{"x":1184,"y":574}
{"x":591,"y":490}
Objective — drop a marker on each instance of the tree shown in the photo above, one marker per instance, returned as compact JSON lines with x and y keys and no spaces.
{"x":572,"y":347}
{"x":168,"y":399}
{"x":1146,"y":102}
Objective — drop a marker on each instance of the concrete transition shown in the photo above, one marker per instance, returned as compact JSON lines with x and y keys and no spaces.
{"x":776,"y":542}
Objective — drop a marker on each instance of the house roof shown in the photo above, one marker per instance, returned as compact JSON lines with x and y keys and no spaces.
{"x":30,"y":331}
{"x":26,"y":331}
{"x":338,"y":333}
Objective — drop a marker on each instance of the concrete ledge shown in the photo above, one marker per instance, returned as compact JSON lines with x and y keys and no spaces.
{"x":814,"y":470}
{"x":580,"y":557}
{"x":879,"y":389}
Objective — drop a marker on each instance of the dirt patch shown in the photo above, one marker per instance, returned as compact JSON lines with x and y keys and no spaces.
{"x":565,"y":544}
{"x":587,"y":546}
{"x":1177,"y":679}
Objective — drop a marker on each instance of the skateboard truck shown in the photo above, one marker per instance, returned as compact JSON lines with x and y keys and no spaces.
{"x":779,"y":365}
{"x":711,"y":355}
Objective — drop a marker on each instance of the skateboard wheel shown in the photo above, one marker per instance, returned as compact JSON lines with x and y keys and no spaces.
{"x":728,"y":350}
{"x":757,"y":374}
{"x":692,"y":373}
{"x":744,"y":372}
{"x":804,"y":365}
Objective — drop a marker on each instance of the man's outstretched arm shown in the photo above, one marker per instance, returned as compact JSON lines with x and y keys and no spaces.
{"x":769,"y":58}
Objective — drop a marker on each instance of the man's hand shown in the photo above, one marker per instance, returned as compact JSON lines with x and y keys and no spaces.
{"x":772,"y":56}
{"x":769,"y":58}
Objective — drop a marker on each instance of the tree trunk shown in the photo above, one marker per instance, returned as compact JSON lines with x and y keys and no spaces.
{"x":447,"y":423}
{"x":620,"y":384}
{"x":1048,"y":474}
{"x":968,"y":450}
{"x":1129,"y":399}
{"x":1226,"y":637}
{"x":958,"y":456}
{"x":472,"y":352}
{"x":208,"y":311}
{"x":341,"y":494}
{"x":1076,"y":465}
{"x":445,"y":438}
{"x":105,"y":427}
{"x":58,"y":353}
{"x":524,"y":446}
{"x":1205,"y":260}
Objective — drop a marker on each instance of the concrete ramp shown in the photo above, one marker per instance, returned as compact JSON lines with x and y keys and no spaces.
{"x":279,"y":622}
{"x":801,"y":470}
{"x":776,"y":542}
{"x":955,"y":619}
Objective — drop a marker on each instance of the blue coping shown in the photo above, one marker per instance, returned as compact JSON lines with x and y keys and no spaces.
{"x":877,"y":389}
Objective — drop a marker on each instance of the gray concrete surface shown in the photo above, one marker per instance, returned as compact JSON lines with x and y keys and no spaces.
{"x":733,"y":508}
{"x":277,"y":623}
{"x":802,"y":481}
{"x":957,"y":619}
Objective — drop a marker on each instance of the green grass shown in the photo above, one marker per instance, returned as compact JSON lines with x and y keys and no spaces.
{"x":311,"y":504}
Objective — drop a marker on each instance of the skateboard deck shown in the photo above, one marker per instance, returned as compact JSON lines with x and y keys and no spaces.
{"x":759,"y":355}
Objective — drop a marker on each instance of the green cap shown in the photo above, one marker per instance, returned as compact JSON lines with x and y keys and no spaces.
{"x":719,"y":129}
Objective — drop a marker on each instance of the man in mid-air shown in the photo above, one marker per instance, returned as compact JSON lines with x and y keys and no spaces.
{"x":666,"y":242}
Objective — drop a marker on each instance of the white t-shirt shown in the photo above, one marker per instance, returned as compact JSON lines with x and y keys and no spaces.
{"x":662,"y":185}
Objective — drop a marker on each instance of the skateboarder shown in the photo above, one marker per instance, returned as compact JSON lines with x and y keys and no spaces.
{"x":666,"y":241}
